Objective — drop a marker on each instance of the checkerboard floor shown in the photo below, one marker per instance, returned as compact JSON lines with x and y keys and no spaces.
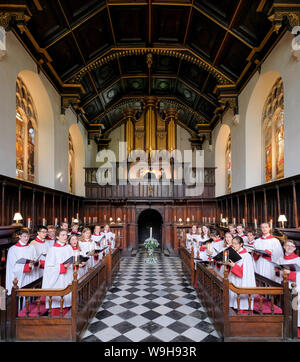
{"x":151,"y":303}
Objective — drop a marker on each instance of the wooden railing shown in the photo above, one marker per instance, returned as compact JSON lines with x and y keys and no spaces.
{"x":213,"y":292}
{"x":144,"y":189}
{"x":87,"y":295}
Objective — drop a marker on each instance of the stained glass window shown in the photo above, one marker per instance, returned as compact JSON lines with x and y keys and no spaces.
{"x":273,"y":131}
{"x":26,"y":126}
{"x":228,"y":165}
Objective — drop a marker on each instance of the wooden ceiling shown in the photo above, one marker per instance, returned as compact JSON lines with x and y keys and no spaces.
{"x":203,"y":52}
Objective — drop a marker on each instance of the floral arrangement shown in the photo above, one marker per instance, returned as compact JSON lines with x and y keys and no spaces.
{"x":151,"y":243}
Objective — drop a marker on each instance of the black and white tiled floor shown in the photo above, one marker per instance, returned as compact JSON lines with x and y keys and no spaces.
{"x":151,"y":303}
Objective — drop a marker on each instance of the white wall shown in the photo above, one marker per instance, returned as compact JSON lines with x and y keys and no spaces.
{"x":52,"y":163}
{"x":247,"y":151}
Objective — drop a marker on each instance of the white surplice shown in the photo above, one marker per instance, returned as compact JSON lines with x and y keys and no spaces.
{"x":53,"y":278}
{"x":244,"y":279}
{"x":13,"y":270}
{"x":41,"y":247}
{"x":263,"y":266}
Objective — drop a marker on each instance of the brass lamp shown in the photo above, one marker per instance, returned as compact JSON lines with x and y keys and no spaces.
{"x":17,"y":218}
{"x":282,"y":219}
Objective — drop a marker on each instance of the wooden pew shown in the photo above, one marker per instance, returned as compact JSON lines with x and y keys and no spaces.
{"x":87,"y":295}
{"x":187,"y":263}
{"x":213,"y":291}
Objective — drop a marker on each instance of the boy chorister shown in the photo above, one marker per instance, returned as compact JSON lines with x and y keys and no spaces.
{"x":25,"y":272}
{"x":241,"y":274}
{"x":42,"y":247}
{"x":290,"y":257}
{"x":51,"y":235}
{"x":272,"y":247}
{"x":87,"y":245}
{"x":241,"y":232}
{"x":110,"y":238}
{"x":58,"y":275}
{"x":98,"y":238}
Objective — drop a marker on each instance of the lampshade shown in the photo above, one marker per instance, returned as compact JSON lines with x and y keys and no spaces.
{"x":282,"y":218}
{"x":180,"y":220}
{"x":223,"y":220}
{"x":75,"y":221}
{"x":17,"y":217}
{"x":188,"y":219}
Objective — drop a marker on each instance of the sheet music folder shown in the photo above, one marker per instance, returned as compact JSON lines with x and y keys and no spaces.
{"x":232,"y":255}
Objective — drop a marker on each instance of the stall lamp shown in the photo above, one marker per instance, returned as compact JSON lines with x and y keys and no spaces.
{"x":282,"y":219}
{"x":188,"y":220}
{"x":17,"y":218}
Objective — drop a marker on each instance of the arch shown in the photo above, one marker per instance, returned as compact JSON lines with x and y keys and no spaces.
{"x":44,"y":172}
{"x":150,"y":218}
{"x":79,"y":160}
{"x":253,"y":129}
{"x":220,"y":162}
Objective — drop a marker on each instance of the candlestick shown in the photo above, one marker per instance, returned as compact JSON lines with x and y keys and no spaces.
{"x":150,"y":232}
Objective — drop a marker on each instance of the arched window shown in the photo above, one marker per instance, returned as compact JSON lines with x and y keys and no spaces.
{"x":273,"y":131}
{"x":228,"y":165}
{"x":26,"y":127}
{"x":71,"y":165}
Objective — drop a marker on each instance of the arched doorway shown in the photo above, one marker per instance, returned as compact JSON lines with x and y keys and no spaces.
{"x":150,"y":218}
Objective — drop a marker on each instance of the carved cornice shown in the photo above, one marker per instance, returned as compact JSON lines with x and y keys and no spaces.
{"x":13,"y":14}
{"x":183,"y":54}
{"x":281,"y":11}
{"x":68,"y":100}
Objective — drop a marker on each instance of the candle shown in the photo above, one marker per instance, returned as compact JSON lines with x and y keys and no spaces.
{"x":221,"y":217}
{"x":44,"y":221}
{"x":225,"y":256}
{"x":244,"y":222}
{"x":255,"y":224}
{"x":77,"y":215}
{"x":72,"y":219}
{"x":193,"y":218}
{"x":76,"y":256}
{"x":209,"y":220}
{"x":150,"y":232}
{"x":214,"y":220}
{"x":65,"y":219}
{"x":29,"y":223}
{"x":271,"y":224}
{"x":90,"y":220}
{"x":104,"y":217}
{"x":234,"y":220}
{"x":203,"y":220}
{"x":84,"y":220}
{"x":124,"y":217}
{"x":55,"y":222}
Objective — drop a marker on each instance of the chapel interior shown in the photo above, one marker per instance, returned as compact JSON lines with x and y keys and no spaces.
{"x":84,"y":80}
